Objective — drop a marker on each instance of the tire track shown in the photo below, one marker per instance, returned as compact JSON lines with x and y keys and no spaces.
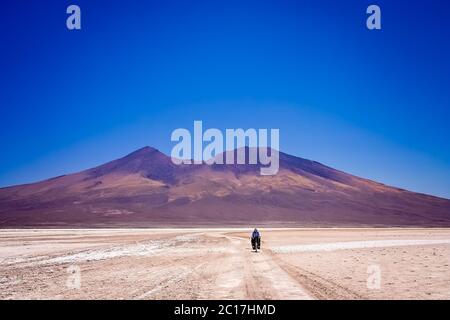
{"x":316,"y":285}
{"x":265,"y":279}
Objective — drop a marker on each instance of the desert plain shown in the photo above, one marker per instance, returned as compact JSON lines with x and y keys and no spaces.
{"x":321,"y":263}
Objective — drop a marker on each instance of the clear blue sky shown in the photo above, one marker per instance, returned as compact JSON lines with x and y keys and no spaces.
{"x":372,"y":103}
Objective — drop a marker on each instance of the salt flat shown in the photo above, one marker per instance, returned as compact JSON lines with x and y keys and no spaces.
{"x":219,"y":264}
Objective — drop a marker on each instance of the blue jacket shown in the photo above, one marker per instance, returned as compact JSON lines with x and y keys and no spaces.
{"x":255,"y":234}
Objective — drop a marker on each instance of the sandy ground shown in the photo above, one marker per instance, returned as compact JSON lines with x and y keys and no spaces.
{"x":219,"y":264}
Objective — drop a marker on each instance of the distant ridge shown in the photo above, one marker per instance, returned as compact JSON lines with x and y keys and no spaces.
{"x":145,"y":189}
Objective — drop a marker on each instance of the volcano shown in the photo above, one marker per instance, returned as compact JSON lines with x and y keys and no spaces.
{"x":145,"y":189}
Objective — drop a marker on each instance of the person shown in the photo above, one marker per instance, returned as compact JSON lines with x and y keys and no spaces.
{"x":256,"y":239}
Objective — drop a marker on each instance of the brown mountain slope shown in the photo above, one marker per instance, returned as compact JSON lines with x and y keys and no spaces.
{"x":146,"y":189}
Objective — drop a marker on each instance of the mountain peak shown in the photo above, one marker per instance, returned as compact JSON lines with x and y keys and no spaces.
{"x":144,"y":150}
{"x":304,"y":192}
{"x":148,"y":161}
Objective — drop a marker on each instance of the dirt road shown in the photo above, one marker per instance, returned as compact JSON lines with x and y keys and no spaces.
{"x":219,"y":264}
